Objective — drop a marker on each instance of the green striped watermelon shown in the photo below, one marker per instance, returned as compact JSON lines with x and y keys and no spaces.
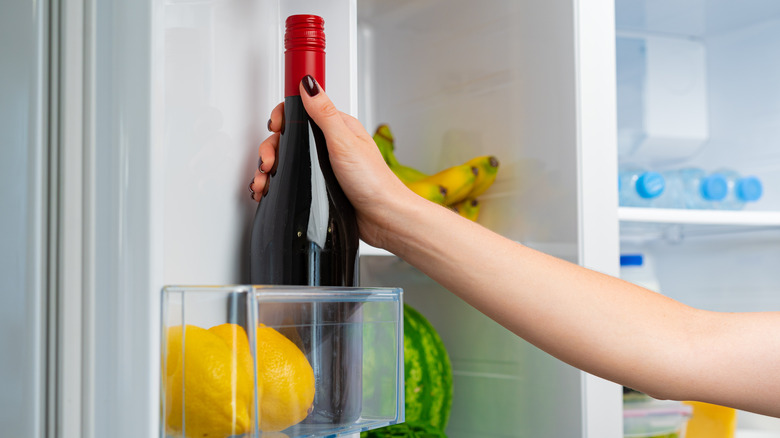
{"x":427,"y":372}
{"x":427,"y":381}
{"x":405,"y":430}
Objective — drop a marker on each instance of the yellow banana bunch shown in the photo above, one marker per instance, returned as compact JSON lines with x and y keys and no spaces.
{"x":430,"y":191}
{"x":386,"y":144}
{"x":456,"y":187}
{"x":458,"y":180}
{"x":488,"y":168}
{"x":468,"y":208}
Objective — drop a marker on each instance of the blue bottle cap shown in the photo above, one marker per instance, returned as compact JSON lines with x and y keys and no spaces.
{"x":749,"y":189}
{"x":714,"y":187}
{"x":631,"y":260}
{"x":650,"y":185}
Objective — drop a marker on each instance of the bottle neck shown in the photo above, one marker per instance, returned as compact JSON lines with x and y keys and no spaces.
{"x":304,"y":44}
{"x":298,"y":64}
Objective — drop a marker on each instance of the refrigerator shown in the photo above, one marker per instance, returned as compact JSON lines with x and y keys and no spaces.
{"x":130,"y":131}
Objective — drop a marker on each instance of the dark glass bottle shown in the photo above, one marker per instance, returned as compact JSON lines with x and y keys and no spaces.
{"x":305,"y":233}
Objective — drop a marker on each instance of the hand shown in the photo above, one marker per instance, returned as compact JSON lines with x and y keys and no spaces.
{"x":359,"y":167}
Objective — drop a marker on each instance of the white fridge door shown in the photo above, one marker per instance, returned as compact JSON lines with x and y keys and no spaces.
{"x":161,"y":106}
{"x":24,"y":48}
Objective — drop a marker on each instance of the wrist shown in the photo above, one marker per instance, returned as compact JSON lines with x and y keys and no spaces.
{"x":407,"y":221}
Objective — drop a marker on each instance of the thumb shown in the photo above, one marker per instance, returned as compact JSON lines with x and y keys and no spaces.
{"x":321,"y":109}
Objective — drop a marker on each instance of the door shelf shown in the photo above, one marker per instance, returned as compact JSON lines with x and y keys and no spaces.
{"x":643,"y":224}
{"x":328,"y":360}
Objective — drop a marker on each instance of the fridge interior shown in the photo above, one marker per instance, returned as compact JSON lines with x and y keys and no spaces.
{"x":697,"y":86}
{"x":456,"y":80}
{"x":696,"y":82}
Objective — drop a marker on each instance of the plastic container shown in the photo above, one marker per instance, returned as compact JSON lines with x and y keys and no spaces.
{"x":693,"y":188}
{"x":216,"y":342}
{"x":639,"y":187}
{"x":640,"y":270}
{"x":655,"y":419}
{"x":740,"y":190}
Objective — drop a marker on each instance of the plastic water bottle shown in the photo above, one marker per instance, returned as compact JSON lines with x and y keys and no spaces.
{"x":639,"y":269}
{"x":639,"y":187}
{"x":693,"y":188}
{"x":741,"y":190}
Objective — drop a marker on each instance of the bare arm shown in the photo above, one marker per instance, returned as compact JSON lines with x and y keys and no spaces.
{"x":600,"y":324}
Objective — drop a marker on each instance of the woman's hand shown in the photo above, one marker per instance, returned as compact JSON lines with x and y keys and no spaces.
{"x":370,"y":185}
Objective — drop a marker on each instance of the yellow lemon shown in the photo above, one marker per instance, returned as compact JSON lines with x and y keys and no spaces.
{"x":236,"y":339}
{"x":287,"y":379}
{"x":206,"y":384}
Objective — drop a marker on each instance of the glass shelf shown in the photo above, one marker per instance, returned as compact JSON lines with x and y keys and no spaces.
{"x":368,"y":250}
{"x":643,"y":224}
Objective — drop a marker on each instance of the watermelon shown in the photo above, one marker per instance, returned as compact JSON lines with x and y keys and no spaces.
{"x":405,"y":430}
{"x":427,"y":380}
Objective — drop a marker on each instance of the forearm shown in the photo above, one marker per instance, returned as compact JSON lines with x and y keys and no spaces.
{"x":595,"y":322}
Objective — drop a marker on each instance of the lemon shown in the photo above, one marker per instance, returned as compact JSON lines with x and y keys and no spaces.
{"x":213,"y":380}
{"x":236,"y":339}
{"x":287,"y":379}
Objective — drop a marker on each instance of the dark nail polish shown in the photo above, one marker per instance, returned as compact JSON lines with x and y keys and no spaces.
{"x":260,"y":164}
{"x":269,"y":125}
{"x":310,"y":85}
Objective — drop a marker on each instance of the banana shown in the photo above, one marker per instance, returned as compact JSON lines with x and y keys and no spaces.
{"x":430,"y":191}
{"x":458,"y":180}
{"x":468,"y":208}
{"x":407,"y":174}
{"x":488,"y":168}
{"x":470,"y":179}
{"x":386,"y":143}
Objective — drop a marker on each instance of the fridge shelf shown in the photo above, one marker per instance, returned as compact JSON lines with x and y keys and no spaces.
{"x":368,"y":250}
{"x":643,"y":224}
{"x":325,"y":360}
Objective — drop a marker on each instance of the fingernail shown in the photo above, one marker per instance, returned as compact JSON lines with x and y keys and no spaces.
{"x":269,"y":125}
{"x":310,"y":85}
{"x":251,"y":192}
{"x":260,"y":164}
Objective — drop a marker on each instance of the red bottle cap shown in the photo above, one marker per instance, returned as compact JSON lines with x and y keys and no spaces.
{"x":304,"y":44}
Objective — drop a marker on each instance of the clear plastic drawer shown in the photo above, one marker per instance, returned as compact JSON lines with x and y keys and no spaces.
{"x":280,"y":361}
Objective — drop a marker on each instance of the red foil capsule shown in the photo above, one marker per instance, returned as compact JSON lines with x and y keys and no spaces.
{"x":304,"y":51}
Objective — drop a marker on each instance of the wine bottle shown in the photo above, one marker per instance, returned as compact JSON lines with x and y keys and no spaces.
{"x":305,"y":233}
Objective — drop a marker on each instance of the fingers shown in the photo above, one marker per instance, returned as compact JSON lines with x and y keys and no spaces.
{"x":266,"y":163}
{"x":267,"y":153}
{"x":321,"y":109}
{"x":276,"y":122}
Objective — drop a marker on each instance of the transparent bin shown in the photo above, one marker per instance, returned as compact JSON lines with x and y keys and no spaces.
{"x":280,"y":361}
{"x":655,"y":419}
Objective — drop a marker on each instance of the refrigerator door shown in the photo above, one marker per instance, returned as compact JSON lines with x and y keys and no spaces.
{"x":24,"y":49}
{"x":180,"y":94}
{"x":166,"y":102}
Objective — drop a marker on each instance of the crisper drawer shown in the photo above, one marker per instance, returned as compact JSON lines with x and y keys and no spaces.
{"x":280,"y":361}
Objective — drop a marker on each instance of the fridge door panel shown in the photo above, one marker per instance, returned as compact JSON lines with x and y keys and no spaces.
{"x":221,"y":72}
{"x":23,"y":217}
